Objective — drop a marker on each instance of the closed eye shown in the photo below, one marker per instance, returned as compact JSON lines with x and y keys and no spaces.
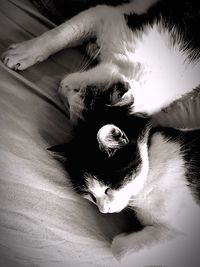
{"x":107,"y":190}
{"x":89,"y":196}
{"x":93,"y":197}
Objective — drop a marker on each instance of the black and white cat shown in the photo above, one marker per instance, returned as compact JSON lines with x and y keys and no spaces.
{"x":149,"y":55}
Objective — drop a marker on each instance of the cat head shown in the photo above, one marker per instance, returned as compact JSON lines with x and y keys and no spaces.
{"x":108,"y":157}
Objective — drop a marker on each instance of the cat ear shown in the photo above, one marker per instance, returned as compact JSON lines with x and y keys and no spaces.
{"x":61,"y":152}
{"x":111,"y":138}
{"x":121,"y":95}
{"x":62,"y":148}
{"x":126,"y":100}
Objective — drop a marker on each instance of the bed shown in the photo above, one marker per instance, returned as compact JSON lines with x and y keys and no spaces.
{"x":43,"y":222}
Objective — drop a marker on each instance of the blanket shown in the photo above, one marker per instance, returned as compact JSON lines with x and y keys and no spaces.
{"x":43,"y":222}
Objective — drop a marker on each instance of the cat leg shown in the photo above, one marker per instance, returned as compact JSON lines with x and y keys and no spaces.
{"x":98,"y":75}
{"x":23,"y":55}
{"x":72,"y":87}
{"x":127,"y":244}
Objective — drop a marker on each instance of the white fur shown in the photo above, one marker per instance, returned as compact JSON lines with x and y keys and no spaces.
{"x":108,"y":141}
{"x":113,"y":201}
{"x":165,"y":194}
{"x":153,"y":66}
{"x":164,"y":204}
{"x":165,"y":72}
{"x":137,"y":6}
{"x":159,"y":195}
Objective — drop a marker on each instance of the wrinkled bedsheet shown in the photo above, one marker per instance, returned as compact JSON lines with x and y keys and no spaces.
{"x":43,"y":222}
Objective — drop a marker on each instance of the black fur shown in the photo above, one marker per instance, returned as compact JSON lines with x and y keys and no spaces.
{"x":83,"y":153}
{"x":184,"y":15}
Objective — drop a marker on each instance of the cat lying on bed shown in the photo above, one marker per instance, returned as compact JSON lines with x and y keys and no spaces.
{"x":148,"y":57}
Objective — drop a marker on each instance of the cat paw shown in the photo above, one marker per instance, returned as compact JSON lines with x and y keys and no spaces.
{"x":23,"y":55}
{"x":119,"y":246}
{"x":126,"y":244}
{"x":71,"y":84}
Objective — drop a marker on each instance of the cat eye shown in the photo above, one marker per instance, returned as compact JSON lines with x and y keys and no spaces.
{"x":107,"y":190}
{"x":86,"y":193}
{"x":92,"y":197}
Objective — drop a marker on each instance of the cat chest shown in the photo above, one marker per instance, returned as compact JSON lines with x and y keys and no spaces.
{"x":174,"y":208}
{"x":151,"y":208}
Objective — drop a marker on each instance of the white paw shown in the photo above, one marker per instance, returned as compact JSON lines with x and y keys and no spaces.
{"x":71,"y":84}
{"x":71,"y":96}
{"x":23,"y":55}
{"x":126,"y":244}
{"x":120,"y":246}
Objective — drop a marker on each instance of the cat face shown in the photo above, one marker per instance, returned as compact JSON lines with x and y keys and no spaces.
{"x":109,"y":166}
{"x":113,"y":194}
{"x":107,"y":199}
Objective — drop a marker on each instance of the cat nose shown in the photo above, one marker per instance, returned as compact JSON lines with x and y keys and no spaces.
{"x":104,"y":209}
{"x":103,"y":204}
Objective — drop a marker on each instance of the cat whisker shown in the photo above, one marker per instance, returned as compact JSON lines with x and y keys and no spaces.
{"x":91,"y":59}
{"x":133,"y":202}
{"x":77,"y":188}
{"x":81,"y":63}
{"x":128,"y":210}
